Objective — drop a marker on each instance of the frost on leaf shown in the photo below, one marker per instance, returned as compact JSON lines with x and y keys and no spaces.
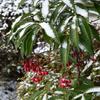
{"x":81,"y":11}
{"x":33,"y":37}
{"x":47,"y":29}
{"x":45,"y":8}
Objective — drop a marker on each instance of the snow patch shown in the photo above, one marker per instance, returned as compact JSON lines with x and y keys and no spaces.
{"x":64,"y":45}
{"x":67,"y":2}
{"x":95,"y":89}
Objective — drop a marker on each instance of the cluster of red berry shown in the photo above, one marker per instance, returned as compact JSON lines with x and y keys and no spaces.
{"x":68,"y":64}
{"x":32,"y":63}
{"x":64,"y":82}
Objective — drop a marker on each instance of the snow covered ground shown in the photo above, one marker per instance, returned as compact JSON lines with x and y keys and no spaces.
{"x":8,"y":90}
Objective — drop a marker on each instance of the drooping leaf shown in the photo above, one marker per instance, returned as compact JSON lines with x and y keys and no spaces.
{"x":45,"y":8}
{"x":64,"y":50}
{"x":85,"y":29}
{"x":69,"y":3}
{"x":85,"y":46}
{"x":81,"y":10}
{"x":55,"y":98}
{"x":34,"y":95}
{"x":57,"y":12}
{"x":22,"y":1}
{"x":50,"y":31}
{"x":63,"y":24}
{"x":95,"y":33}
{"x":73,"y":32}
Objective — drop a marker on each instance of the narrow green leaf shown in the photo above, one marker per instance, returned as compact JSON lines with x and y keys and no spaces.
{"x":22,"y":1}
{"x":95,"y":33}
{"x":82,"y":10}
{"x":86,"y":81}
{"x":84,"y":45}
{"x":22,"y":49}
{"x":71,"y":59}
{"x":74,"y":83}
{"x":50,"y":31}
{"x":57,"y":12}
{"x":97,"y":7}
{"x":63,"y":24}
{"x":56,"y":98}
{"x":73,"y":32}
{"x":47,"y":38}
{"x":69,"y":3}
{"x":55,"y":47}
{"x":85,"y":29}
{"x":64,"y":50}
{"x":34,"y":95}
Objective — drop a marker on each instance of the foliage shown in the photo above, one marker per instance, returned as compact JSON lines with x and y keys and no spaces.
{"x":66,"y":22}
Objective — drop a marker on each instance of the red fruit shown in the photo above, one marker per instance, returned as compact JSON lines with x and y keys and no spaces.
{"x":28,"y":69}
{"x":69,"y":81}
{"x":66,"y":85}
{"x":43,"y":73}
{"x":39,"y":73}
{"x":46,"y":73}
{"x":62,"y":86}
{"x":31,"y":64}
{"x":60,"y":63}
{"x":33,"y":78}
{"x":68,"y":64}
{"x":36,"y":80}
{"x":66,"y":81}
{"x":93,"y":59}
{"x":23,"y":63}
{"x":61,"y":80}
{"x":40,"y":78}
{"x":73,"y":55}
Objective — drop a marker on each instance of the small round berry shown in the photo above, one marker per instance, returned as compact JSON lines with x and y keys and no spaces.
{"x":46,"y":72}
{"x":66,"y":85}
{"x":39,"y":73}
{"x":43,"y":73}
{"x":69,"y":81}
{"x":93,"y":59}
{"x":61,"y":80}
{"x":40,"y":78}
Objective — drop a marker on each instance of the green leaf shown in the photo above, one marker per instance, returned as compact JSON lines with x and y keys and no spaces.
{"x":84,"y":45}
{"x":57,"y":12}
{"x":63,"y":24}
{"x":28,"y":29}
{"x":73,"y":32}
{"x":34,"y":95}
{"x":22,"y":1}
{"x":64,"y":50}
{"x":69,"y":3}
{"x":95,"y":33}
{"x":74,"y":83}
{"x":30,"y":41}
{"x":72,"y":60}
{"x":56,"y":98}
{"x":97,"y":7}
{"x":82,"y":10}
{"x":22,"y":49}
{"x":47,"y":38}
{"x":50,"y":31}
{"x":86,"y":81}
{"x":56,"y":45}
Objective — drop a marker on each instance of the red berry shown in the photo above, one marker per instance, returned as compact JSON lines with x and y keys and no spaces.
{"x":36,"y":80}
{"x":68,"y":64}
{"x":23,"y":63}
{"x":43,"y":73}
{"x":69,"y":81}
{"x":31,"y":64}
{"x":66,"y":85}
{"x":66,"y":81}
{"x":39,"y":73}
{"x":61,"y":80}
{"x":40,"y":78}
{"x":92,"y":59}
{"x":62,"y":86}
{"x":46,"y":73}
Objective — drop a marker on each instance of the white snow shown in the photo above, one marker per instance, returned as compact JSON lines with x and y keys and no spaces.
{"x":17,"y":20}
{"x":81,"y":11}
{"x":95,"y":89}
{"x":33,"y":37}
{"x":73,"y":23}
{"x":48,"y":29}
{"x":93,"y":12}
{"x":79,"y":1}
{"x":45,"y":8}
{"x":64,"y":24}
{"x":64,"y":45}
{"x":67,"y":2}
{"x":77,"y":96}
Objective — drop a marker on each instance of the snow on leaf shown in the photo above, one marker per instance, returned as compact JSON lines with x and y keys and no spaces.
{"x":93,"y":12}
{"x":45,"y":8}
{"x":77,"y":96}
{"x":48,"y":29}
{"x":35,"y":2}
{"x":73,"y":21}
{"x":95,"y":89}
{"x":64,"y":45}
{"x":33,"y":37}
{"x":79,"y":1}
{"x":81,"y":11}
{"x":64,"y":24}
{"x":17,"y":20}
{"x":67,"y":2}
